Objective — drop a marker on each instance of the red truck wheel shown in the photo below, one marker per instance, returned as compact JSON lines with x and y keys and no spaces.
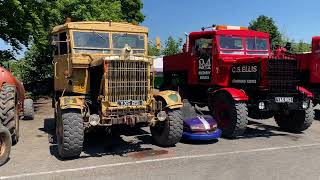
{"x":5,"y":144}
{"x":232,"y":116}
{"x":296,"y":121}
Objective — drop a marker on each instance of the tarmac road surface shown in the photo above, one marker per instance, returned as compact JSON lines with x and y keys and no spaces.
{"x":264,"y":152}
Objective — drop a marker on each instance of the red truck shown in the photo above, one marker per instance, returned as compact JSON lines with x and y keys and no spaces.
{"x":231,"y":70}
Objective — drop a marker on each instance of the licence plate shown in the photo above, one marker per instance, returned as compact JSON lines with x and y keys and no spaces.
{"x":130,"y":103}
{"x":284,"y":99}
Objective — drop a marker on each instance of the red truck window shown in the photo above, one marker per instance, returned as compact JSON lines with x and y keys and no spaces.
{"x":231,"y":45}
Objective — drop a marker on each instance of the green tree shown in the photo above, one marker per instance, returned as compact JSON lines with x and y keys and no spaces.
{"x":172,"y":46}
{"x":300,"y":47}
{"x":267,"y":24}
{"x":33,"y":21}
{"x":152,"y":50}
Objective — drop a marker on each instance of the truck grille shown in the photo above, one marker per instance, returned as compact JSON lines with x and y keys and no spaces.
{"x":282,"y":75}
{"x":128,"y":80}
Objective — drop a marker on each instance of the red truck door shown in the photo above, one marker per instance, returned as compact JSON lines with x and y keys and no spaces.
{"x":315,"y":62}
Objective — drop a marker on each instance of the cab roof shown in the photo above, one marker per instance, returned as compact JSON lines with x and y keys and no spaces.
{"x":242,"y":33}
{"x":101,"y":26}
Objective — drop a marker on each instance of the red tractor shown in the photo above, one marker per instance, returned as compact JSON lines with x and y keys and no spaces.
{"x":232,"y":71}
{"x":13,"y":105}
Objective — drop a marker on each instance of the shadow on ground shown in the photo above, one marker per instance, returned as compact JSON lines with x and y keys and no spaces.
{"x":100,"y":143}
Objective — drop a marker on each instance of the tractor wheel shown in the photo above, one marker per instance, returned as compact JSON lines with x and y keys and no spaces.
{"x":9,"y":112}
{"x":232,"y":116}
{"x":70,"y":134}
{"x":296,"y":121}
{"x":169,"y":132}
{"x":5,"y":144}
{"x":28,"y":109}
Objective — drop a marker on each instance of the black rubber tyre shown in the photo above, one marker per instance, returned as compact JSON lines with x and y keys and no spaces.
{"x":169,"y":132}
{"x":70,"y":134}
{"x":9,"y":112}
{"x":28,"y":109}
{"x":232,"y":116}
{"x":5,"y":144}
{"x":296,"y":121}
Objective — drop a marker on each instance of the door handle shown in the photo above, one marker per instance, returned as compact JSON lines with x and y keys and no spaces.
{"x":55,"y":70}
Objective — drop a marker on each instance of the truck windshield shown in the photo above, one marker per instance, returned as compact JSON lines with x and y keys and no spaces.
{"x":91,"y":42}
{"x":135,"y":41}
{"x":231,"y":45}
{"x":257,"y":46}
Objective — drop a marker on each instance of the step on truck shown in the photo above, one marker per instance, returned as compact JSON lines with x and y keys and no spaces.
{"x":102,"y":78}
{"x":231,"y":70}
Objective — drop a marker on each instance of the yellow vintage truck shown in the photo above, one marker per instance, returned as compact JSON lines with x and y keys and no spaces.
{"x":103,"y":77}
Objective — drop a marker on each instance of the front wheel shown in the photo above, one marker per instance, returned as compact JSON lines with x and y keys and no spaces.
{"x":232,"y":116}
{"x":296,"y":120}
{"x":70,"y":134}
{"x":5,"y":144}
{"x":169,"y":132}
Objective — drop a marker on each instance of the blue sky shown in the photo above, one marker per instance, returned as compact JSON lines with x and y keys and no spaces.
{"x":297,"y":19}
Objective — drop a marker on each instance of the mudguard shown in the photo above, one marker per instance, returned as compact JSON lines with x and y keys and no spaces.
{"x":237,"y":94}
{"x":72,"y":102}
{"x":305,"y":91}
{"x":172,"y":99}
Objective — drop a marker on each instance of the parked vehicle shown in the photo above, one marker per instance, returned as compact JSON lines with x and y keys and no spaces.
{"x":13,"y":105}
{"x":102,"y":77}
{"x":231,"y":69}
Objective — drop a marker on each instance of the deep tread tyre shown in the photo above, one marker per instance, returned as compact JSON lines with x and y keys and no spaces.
{"x":28,"y":109}
{"x":5,"y":144}
{"x":70,"y":134}
{"x":169,"y":132}
{"x":8,"y":111}
{"x":232,"y":116}
{"x":296,"y":121}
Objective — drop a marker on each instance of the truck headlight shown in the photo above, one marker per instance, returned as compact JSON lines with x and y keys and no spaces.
{"x":162,"y":115}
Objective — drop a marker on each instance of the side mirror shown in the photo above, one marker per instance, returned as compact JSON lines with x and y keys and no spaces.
{"x":158,"y":43}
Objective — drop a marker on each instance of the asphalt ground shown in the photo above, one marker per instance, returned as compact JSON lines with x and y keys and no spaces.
{"x":264,"y":152}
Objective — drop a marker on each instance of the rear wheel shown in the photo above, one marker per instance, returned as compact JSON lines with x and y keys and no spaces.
{"x":5,"y":144}
{"x":70,"y":134}
{"x":169,"y":132}
{"x":297,"y":120}
{"x":9,"y":112}
{"x":232,"y":116}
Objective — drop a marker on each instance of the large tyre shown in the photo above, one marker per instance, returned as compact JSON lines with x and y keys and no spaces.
{"x":28,"y":109}
{"x":296,"y":121}
{"x":169,"y":132}
{"x":9,"y":112}
{"x":70,"y":134}
{"x":232,"y":116}
{"x":5,"y":144}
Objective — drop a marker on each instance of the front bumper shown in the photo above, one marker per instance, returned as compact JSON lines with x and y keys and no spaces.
{"x":203,"y":136}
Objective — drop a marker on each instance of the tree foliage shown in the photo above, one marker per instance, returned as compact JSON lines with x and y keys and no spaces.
{"x":152,"y":50}
{"x":267,"y":24}
{"x":172,"y":46}
{"x":300,"y":47}
{"x":29,"y":23}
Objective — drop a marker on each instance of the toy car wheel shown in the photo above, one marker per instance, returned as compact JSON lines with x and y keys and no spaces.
{"x":296,"y":121}
{"x":70,"y":134}
{"x":28,"y":109}
{"x":8,"y":111}
{"x":5,"y":144}
{"x":169,"y":132}
{"x":232,"y":116}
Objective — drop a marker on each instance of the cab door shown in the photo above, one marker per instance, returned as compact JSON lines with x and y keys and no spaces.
{"x":202,"y":51}
{"x":61,"y":60}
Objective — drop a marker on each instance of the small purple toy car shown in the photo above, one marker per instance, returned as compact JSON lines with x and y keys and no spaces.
{"x":200,"y":128}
